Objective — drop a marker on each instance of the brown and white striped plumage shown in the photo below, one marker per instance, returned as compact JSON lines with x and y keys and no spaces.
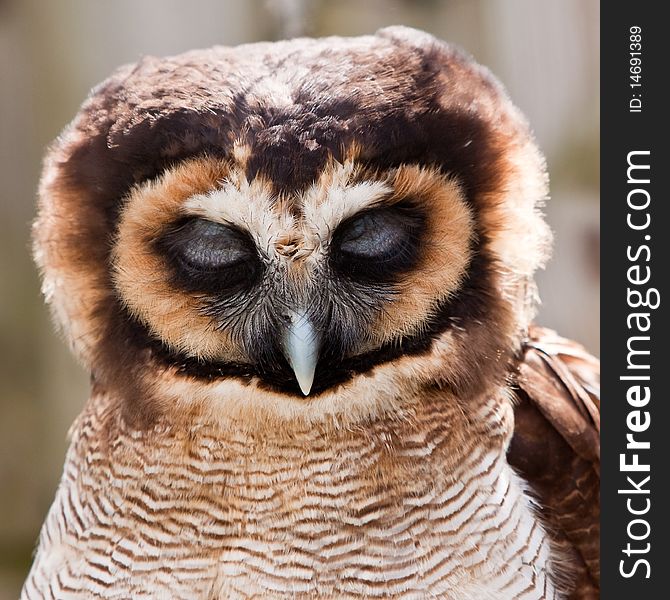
{"x":199,"y":468}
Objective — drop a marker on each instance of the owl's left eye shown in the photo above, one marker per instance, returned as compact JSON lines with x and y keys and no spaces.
{"x":209,"y":256}
{"x":378,"y":243}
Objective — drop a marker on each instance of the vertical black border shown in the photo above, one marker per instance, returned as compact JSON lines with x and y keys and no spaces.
{"x":623,"y":131}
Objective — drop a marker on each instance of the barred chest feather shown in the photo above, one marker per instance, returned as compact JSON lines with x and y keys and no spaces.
{"x":423,"y":505}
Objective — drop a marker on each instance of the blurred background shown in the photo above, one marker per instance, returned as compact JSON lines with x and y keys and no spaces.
{"x":52,"y":53}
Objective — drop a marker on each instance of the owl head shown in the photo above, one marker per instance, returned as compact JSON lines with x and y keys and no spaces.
{"x":309,"y":228}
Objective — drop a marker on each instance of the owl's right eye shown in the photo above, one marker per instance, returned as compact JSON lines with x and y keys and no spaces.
{"x":209,"y":256}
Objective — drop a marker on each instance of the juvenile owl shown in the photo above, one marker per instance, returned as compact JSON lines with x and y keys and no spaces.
{"x":301,"y":277}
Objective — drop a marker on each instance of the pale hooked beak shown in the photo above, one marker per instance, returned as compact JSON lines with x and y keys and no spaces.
{"x":301,"y":346}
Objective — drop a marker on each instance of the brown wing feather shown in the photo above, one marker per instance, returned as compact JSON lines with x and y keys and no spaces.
{"x":556,"y":448}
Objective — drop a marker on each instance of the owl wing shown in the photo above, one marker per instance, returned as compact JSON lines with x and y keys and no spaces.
{"x":556,"y":448}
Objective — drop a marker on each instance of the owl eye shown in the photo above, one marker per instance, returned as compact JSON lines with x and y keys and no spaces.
{"x":378,"y":243}
{"x":209,"y":256}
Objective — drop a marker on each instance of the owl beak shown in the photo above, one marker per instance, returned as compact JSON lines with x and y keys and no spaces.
{"x":301,"y":346}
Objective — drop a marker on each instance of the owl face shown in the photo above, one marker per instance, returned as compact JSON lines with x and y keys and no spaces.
{"x":223,"y":230}
{"x":295,"y":288}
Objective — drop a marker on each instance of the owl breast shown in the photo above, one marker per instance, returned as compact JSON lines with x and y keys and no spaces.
{"x":415,"y":507}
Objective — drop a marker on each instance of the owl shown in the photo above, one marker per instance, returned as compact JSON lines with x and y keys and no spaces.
{"x":300,"y":275}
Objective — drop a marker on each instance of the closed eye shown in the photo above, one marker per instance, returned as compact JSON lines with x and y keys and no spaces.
{"x":378,"y":244}
{"x":208,"y":256}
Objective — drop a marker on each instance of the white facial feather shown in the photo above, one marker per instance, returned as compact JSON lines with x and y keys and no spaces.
{"x":253,"y":208}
